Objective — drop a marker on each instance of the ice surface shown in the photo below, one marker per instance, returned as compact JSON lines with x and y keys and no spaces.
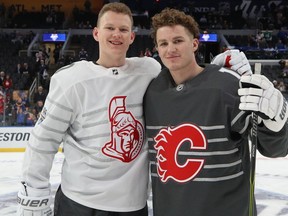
{"x":271,"y":183}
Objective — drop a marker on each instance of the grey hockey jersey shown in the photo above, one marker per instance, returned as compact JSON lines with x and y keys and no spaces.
{"x":198,"y":145}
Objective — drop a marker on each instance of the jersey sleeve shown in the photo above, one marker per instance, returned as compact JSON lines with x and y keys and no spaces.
{"x":153,"y":65}
{"x":273,"y":144}
{"x":47,"y":135}
{"x":270,"y":144}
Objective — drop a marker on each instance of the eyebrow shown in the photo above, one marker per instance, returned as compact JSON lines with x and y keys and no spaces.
{"x":174,"y":38}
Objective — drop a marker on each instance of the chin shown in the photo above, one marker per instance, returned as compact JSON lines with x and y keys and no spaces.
{"x":173,"y":66}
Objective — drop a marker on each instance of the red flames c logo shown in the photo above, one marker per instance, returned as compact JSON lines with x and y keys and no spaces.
{"x":168,"y":141}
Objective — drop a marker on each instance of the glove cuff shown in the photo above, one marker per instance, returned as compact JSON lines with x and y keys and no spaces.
{"x":39,"y":199}
{"x":280,"y":119}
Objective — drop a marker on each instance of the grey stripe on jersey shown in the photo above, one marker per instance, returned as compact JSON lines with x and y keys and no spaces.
{"x":42,"y":139}
{"x":216,"y":179}
{"x":42,"y":151}
{"x":215,"y":127}
{"x":203,"y":153}
{"x":214,"y":165}
{"x":58,"y":119}
{"x":51,"y":129}
{"x":59,"y":105}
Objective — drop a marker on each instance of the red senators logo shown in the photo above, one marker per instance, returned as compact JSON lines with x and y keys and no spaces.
{"x":168,"y":141}
{"x":127,"y":133}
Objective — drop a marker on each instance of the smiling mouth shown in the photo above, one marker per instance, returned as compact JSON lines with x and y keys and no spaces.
{"x":115,"y":42}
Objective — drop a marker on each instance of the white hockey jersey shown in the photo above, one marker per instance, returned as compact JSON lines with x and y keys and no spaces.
{"x":97,"y":113}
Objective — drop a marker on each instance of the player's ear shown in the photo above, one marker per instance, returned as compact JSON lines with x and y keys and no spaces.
{"x":95,"y":33}
{"x":132,"y":37}
{"x":195,"y":44}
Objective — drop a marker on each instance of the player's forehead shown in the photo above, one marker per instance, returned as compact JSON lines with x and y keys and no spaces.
{"x":115,"y":19}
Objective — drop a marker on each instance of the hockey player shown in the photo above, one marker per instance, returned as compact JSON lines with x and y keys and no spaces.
{"x":197,"y":122}
{"x":95,"y":110}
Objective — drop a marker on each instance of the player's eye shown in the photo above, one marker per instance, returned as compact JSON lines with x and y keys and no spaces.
{"x":162,"y":44}
{"x":124,"y":30}
{"x":177,"y":41}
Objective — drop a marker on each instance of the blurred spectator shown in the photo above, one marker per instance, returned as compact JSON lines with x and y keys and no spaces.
{"x":25,"y":99}
{"x":26,"y":69}
{"x":275,"y":83}
{"x":19,"y":105}
{"x":30,"y":118}
{"x":2,"y":77}
{"x":280,"y":45}
{"x":18,"y":69}
{"x":16,"y":76}
{"x":87,"y":25}
{"x":2,"y":107}
{"x":283,"y":36}
{"x":21,"y":116}
{"x":43,"y":73}
{"x":83,"y":55}
{"x":26,"y":78}
{"x":71,"y":59}
{"x":40,"y":95}
{"x":25,"y":117}
{"x":147,"y":52}
{"x":282,"y":86}
{"x":141,"y":54}
{"x":8,"y":84}
{"x":61,"y":61}
{"x":260,"y":40}
{"x":56,"y":52}
{"x":38,"y":108}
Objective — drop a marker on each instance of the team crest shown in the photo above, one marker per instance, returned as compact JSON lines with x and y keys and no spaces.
{"x":168,"y":142}
{"x":127,"y":133}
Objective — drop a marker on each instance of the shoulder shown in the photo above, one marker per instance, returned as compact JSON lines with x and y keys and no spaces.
{"x":145,"y":64}
{"x":74,"y":73}
{"x":164,"y":80}
{"x":221,"y":78}
{"x":221,"y":71}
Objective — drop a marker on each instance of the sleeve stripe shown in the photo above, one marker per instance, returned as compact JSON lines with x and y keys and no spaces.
{"x":51,"y":129}
{"x":42,"y":151}
{"x":59,"y":105}
{"x":58,"y":119}
{"x":45,"y":139}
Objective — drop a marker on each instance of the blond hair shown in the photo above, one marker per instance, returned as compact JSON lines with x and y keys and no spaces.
{"x":116,"y":7}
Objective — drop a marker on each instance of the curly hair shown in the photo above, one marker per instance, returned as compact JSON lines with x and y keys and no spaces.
{"x":172,"y":17}
{"x":116,"y":7}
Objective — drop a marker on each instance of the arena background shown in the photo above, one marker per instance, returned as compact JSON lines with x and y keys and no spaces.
{"x":23,"y":24}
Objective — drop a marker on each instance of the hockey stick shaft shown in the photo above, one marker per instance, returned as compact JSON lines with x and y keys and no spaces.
{"x":253,"y":162}
{"x":252,"y":212}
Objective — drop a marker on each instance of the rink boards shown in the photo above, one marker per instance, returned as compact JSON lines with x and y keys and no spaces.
{"x":14,"y":139}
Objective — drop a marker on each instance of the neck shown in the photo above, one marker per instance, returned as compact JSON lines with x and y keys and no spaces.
{"x":110,"y":61}
{"x":181,"y":76}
